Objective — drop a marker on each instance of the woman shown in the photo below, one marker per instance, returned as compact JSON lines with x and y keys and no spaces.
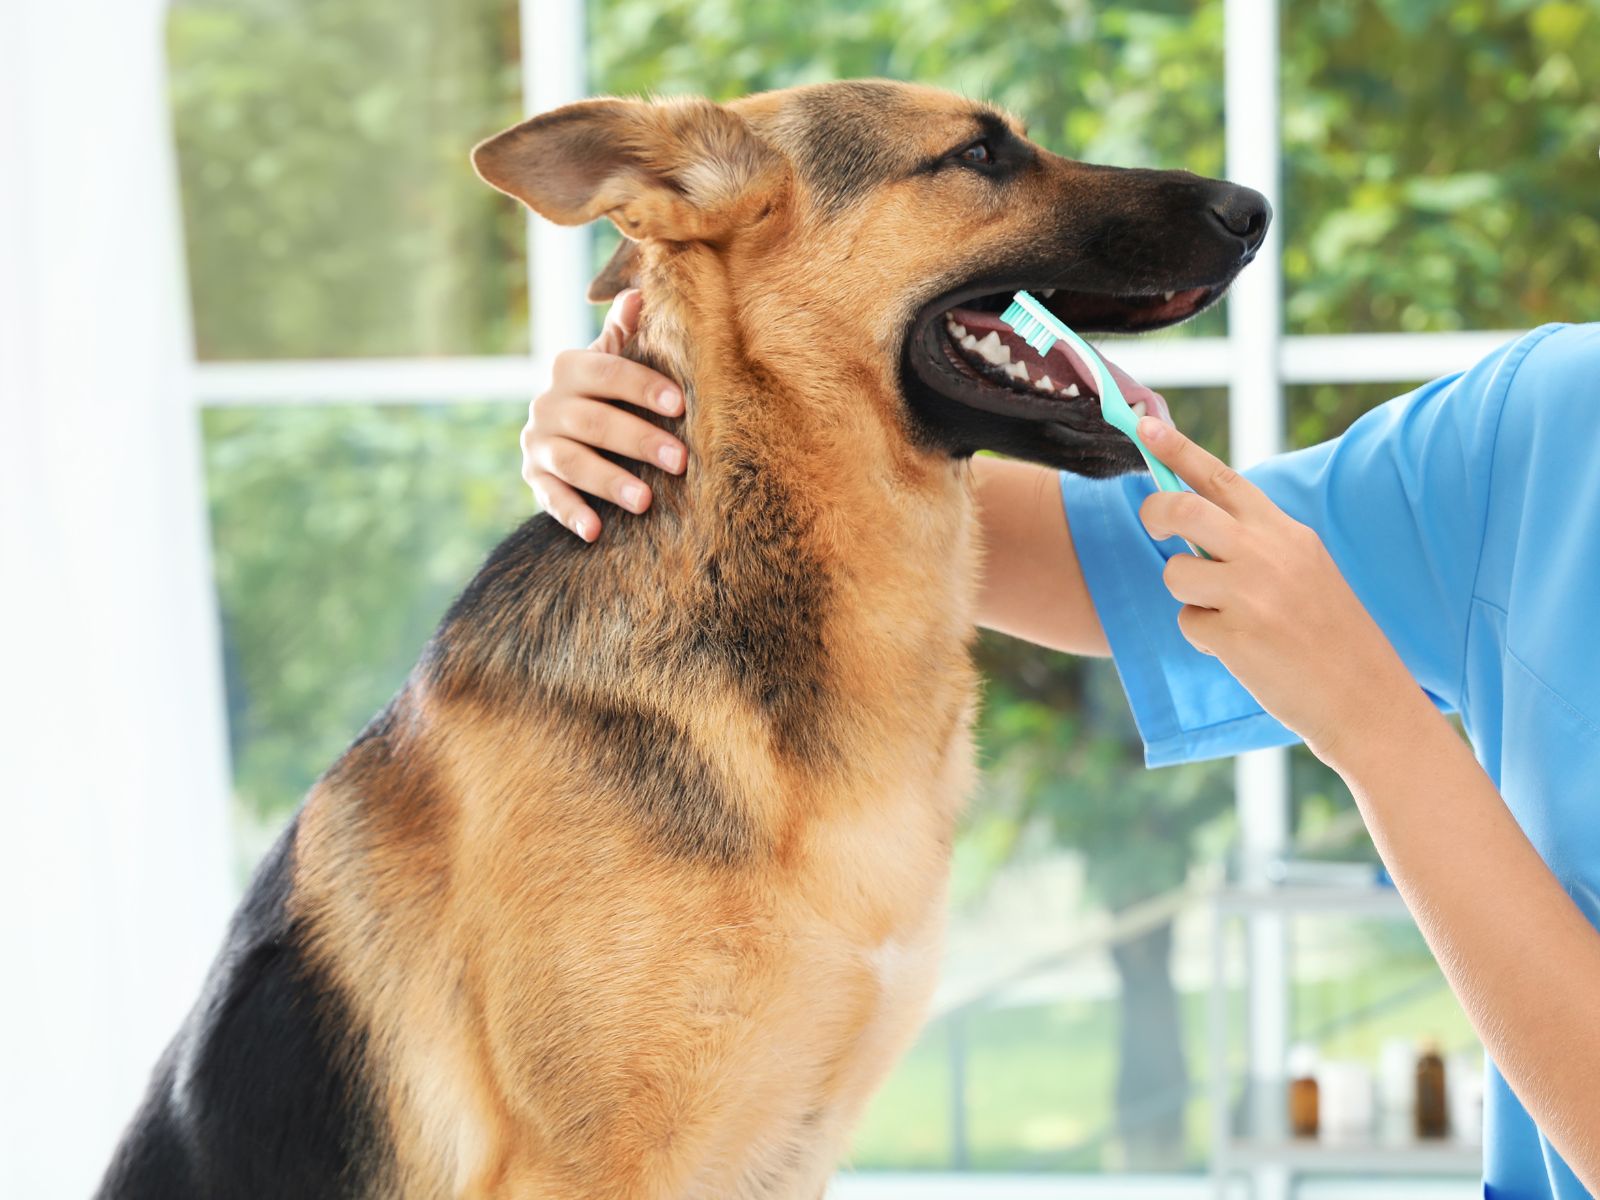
{"x":1450,"y":539}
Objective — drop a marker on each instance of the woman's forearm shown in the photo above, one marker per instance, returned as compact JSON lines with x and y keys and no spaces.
{"x":1519,"y":954}
{"x":1032,"y":585}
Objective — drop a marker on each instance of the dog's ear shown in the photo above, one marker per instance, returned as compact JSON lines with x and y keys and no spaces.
{"x":621,"y":271}
{"x":683,"y":170}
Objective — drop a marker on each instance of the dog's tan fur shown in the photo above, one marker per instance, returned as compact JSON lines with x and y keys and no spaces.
{"x":636,"y":888}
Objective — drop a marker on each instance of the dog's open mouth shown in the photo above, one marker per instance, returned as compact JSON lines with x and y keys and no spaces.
{"x":971,"y":377}
{"x":987,"y":350}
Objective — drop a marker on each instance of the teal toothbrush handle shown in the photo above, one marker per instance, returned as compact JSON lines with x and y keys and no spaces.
{"x":1041,"y":328}
{"x":1165,"y":480}
{"x":1120,"y":417}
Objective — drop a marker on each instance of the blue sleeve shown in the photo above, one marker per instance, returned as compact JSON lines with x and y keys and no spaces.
{"x":1400,"y":501}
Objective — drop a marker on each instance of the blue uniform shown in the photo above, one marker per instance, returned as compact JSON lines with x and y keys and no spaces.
{"x":1466,"y":517}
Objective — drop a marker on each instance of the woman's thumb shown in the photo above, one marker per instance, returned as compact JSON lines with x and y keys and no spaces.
{"x":621,"y":321}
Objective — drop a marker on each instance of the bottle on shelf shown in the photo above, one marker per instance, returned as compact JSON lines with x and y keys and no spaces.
{"x":1345,"y":1093}
{"x":1303,"y":1105}
{"x":1433,"y":1105}
{"x":1397,"y":1089}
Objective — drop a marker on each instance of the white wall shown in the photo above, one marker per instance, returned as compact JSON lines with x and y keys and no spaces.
{"x":113,"y":773}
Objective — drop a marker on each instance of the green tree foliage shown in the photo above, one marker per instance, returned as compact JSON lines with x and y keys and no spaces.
{"x":323,"y":155}
{"x":1441,"y":163}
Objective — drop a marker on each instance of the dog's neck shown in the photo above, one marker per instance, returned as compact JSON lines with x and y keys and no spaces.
{"x":788,"y":396}
{"x":821,"y":543}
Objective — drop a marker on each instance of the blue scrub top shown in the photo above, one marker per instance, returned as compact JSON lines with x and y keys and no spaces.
{"x":1466,"y":516}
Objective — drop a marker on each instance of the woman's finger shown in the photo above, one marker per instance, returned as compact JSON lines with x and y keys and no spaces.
{"x":1201,"y":627}
{"x":621,"y":323}
{"x":1203,"y":471}
{"x":565,"y":505}
{"x":610,"y":377}
{"x":1193,"y":518}
{"x":606,"y":427}
{"x":574,"y":463}
{"x":1196,"y":581}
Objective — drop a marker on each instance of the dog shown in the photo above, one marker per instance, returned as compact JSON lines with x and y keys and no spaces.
{"x":636,"y":887}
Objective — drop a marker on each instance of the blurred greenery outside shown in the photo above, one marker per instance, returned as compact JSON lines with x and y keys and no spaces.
{"x":1037,"y":1073}
{"x":1440,"y":174}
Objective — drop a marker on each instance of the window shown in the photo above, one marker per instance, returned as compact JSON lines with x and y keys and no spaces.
{"x":365,"y":357}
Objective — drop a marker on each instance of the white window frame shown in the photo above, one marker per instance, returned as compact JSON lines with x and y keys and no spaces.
{"x":1255,"y":361}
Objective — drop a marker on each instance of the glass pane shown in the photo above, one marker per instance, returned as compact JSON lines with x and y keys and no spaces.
{"x":329,"y":207}
{"x":1096,"y":1062}
{"x":1136,"y":84}
{"x":1440,"y":164}
{"x":340,"y":535}
{"x":1317,"y":412}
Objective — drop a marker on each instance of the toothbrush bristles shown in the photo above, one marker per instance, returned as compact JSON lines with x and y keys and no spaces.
{"x":1029,"y":327}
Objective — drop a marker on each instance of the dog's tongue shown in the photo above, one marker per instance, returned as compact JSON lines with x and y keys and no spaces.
{"x":1062,"y":365}
{"x":1133,"y":391}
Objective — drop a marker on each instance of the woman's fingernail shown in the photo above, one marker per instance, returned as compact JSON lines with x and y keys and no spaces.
{"x":586,"y":528}
{"x":671,"y":457}
{"x":1152,"y":430}
{"x":668,"y":401}
{"x":633,"y":496}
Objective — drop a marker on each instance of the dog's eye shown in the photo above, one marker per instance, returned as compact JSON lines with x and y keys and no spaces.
{"x":978,"y":152}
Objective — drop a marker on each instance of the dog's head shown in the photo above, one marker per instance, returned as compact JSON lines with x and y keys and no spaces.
{"x":889,"y":224}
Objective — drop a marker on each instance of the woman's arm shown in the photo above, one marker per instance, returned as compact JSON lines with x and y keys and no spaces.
{"x":1517,"y":951}
{"x":1032,"y":586}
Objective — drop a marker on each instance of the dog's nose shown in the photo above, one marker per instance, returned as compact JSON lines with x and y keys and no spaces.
{"x":1245,"y":214}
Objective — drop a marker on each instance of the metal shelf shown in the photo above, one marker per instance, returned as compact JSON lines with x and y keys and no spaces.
{"x":1250,"y":1133}
{"x":1371,"y":901}
{"x":1307,"y":1156}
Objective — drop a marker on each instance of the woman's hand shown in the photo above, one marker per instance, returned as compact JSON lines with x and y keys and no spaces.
{"x":578,"y":415}
{"x":1272,"y":605}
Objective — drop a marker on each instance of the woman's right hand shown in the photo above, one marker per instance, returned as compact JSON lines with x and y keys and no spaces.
{"x":578,"y":415}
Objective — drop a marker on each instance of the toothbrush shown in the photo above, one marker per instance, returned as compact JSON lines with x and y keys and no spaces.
{"x":1042,"y":329}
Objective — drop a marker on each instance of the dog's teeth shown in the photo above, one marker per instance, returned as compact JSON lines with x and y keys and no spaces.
{"x":958,"y":329}
{"x":994,"y":350}
{"x":1072,"y":389}
{"x":1169,"y":295}
{"x":968,"y":342}
{"x":1046,"y":293}
{"x":1044,"y":384}
{"x":1017,"y":371}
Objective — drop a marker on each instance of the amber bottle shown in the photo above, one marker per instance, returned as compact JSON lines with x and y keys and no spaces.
{"x":1303,"y":1096}
{"x":1433,"y":1112}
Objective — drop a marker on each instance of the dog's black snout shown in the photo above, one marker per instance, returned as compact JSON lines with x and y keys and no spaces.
{"x":1244,"y":213}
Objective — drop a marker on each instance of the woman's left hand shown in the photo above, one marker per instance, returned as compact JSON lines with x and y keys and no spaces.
{"x":1271,"y":605}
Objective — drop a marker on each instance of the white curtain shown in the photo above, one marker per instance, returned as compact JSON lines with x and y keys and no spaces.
{"x":114,"y":879}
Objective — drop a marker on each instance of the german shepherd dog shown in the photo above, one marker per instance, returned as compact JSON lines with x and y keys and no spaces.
{"x":635,"y":889}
